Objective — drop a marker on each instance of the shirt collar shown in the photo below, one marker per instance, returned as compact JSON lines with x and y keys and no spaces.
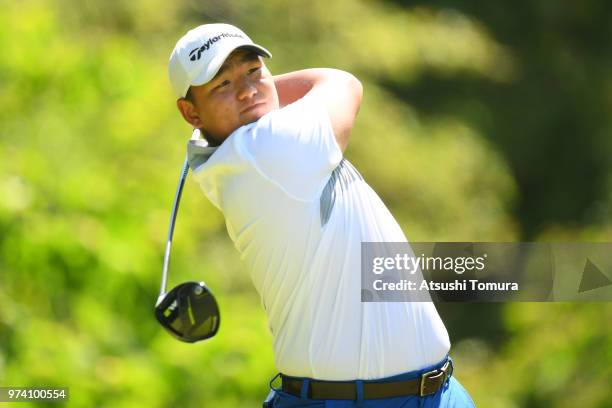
{"x":198,"y":150}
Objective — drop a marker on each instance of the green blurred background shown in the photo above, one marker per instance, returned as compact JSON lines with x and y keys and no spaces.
{"x":481,"y":121}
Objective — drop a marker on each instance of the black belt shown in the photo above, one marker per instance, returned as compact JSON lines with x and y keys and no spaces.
{"x":428,"y":383}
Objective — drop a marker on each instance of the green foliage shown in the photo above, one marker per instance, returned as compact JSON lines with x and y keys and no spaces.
{"x":91,"y":146}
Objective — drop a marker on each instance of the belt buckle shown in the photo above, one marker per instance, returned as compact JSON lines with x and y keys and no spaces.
{"x":443,"y":370}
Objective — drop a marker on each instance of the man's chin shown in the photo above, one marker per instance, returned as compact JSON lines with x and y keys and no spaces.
{"x":255,"y":114}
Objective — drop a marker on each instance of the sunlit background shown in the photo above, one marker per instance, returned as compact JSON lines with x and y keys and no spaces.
{"x":481,"y":121}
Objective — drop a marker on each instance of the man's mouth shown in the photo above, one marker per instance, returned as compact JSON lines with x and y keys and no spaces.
{"x":250,"y":107}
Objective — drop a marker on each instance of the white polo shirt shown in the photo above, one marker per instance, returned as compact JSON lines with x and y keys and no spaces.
{"x":297,"y":212}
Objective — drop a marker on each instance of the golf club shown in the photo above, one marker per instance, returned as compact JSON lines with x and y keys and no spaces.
{"x":189,"y":311}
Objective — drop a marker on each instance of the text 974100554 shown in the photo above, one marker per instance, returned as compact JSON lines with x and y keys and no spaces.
{"x":21,"y":394}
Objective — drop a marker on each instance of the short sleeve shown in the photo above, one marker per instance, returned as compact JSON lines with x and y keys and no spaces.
{"x":294,"y":147}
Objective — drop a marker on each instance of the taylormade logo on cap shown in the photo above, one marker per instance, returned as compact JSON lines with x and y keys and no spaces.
{"x":199,"y":54}
{"x":192,"y":54}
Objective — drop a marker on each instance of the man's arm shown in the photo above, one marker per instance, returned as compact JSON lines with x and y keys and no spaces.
{"x":339,"y":91}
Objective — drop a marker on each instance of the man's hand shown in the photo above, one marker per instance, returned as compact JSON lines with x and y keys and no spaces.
{"x":339,"y":91}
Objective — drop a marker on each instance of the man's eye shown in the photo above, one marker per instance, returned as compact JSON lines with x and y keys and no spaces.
{"x":253,"y":70}
{"x":222,"y":84}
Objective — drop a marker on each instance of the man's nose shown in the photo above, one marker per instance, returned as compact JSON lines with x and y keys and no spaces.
{"x":246,"y":90}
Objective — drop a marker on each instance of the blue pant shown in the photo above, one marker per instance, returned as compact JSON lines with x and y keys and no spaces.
{"x":451,"y":394}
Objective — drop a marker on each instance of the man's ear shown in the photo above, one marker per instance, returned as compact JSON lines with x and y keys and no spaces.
{"x":189,"y":112}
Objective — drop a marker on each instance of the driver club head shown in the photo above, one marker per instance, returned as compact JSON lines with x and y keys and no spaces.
{"x":189,"y":312}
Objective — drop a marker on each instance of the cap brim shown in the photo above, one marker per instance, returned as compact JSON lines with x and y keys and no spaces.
{"x":214,"y":66}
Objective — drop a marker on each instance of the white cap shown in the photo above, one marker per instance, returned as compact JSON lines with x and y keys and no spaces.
{"x":199,"y":54}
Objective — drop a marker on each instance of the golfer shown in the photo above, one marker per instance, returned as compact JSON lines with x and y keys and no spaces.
{"x":267,"y":151}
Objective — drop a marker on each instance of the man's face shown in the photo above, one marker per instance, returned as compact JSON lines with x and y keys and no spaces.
{"x":242,"y":92}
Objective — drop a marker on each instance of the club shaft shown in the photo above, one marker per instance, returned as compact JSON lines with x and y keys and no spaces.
{"x":175,"y":207}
